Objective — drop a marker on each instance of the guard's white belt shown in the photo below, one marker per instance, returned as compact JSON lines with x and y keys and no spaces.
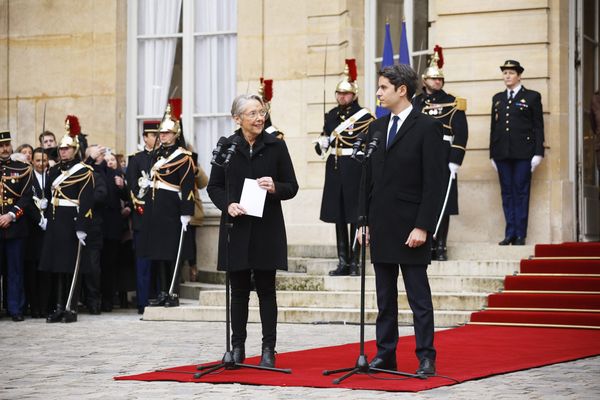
{"x":65,"y":203}
{"x":164,"y":186}
{"x":448,"y":138}
{"x":347,"y":152}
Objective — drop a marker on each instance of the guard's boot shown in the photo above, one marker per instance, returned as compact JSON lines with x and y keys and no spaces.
{"x":355,"y":253}
{"x":56,"y":315}
{"x":440,"y":249}
{"x":343,"y":268}
{"x":159,"y":301}
{"x":172,"y":300}
{"x":69,"y":316}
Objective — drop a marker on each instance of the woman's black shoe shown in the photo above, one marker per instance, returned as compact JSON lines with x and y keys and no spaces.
{"x":506,"y":241}
{"x":268,"y":358}
{"x":239,"y":354}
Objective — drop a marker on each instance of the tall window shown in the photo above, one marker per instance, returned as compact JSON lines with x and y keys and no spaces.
{"x":187,"y":49}
{"x":377,"y":13}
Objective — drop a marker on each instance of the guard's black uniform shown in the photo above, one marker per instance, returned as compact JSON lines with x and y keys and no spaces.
{"x":170,"y":196}
{"x":69,"y":210}
{"x":342,"y":180}
{"x":15,"y":199}
{"x":445,"y":108}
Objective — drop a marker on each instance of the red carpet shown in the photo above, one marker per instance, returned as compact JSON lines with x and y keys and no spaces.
{"x":561,"y":291}
{"x":464,"y":353}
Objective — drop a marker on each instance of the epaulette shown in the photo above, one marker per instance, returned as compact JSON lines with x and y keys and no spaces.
{"x":88,"y":166}
{"x":186,"y":151}
{"x":461,"y":103}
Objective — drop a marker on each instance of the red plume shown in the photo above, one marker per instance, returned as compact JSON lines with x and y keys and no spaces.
{"x":74,"y":128}
{"x":175,"y":108}
{"x":268,"y":89}
{"x":352,"y":74}
{"x":438,"y":48}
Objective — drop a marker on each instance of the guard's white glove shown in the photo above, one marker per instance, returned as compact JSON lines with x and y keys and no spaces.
{"x":453,"y":169}
{"x":185,"y":220}
{"x":324,"y":143}
{"x":144,"y":182}
{"x":494,"y":164}
{"x":44,"y":204}
{"x":81,"y":235}
{"x":535,"y":161}
{"x":43,"y":223}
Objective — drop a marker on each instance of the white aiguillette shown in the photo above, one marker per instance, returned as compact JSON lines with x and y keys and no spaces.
{"x":253,"y":198}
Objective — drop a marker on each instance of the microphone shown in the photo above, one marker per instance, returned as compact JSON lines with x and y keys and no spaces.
{"x":372,"y":146}
{"x":357,"y":143}
{"x":217,"y":150}
{"x":236,"y":141}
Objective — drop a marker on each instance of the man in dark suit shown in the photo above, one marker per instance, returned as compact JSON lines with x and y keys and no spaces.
{"x":516,"y":148}
{"x":405,"y":186}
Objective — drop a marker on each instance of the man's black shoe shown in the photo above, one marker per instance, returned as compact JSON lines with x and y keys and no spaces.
{"x":354,"y":270}
{"x":341,"y":270}
{"x":141,"y":310}
{"x":426,"y":367}
{"x":172,"y":301}
{"x":380,"y":363}
{"x":519,"y":241}
{"x":69,"y":316}
{"x":55,"y":316}
{"x":268,"y":358}
{"x":18,"y":317}
{"x":441,"y":255}
{"x":506,"y":241}
{"x":239,"y":354}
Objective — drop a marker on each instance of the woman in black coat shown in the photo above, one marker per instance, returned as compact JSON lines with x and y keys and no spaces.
{"x":257,"y":246}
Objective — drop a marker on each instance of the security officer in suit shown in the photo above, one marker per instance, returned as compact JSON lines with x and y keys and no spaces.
{"x":139,"y":164}
{"x":70,"y":191}
{"x":516,"y":148}
{"x":450,"y":111}
{"x":169,"y":206}
{"x":405,"y":186}
{"x":343,"y":125}
{"x":15,"y":200}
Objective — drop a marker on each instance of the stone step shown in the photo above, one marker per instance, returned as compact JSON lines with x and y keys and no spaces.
{"x":350,"y":300}
{"x":187,"y":312}
{"x":303,"y":282}
{"x":497,"y":268}
{"x":456,"y":251}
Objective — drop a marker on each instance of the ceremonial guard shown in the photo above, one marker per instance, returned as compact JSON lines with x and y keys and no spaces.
{"x":15,"y":198}
{"x":265,"y":91}
{"x":70,"y":191}
{"x":516,"y":148}
{"x":450,"y":111}
{"x":343,"y":125}
{"x":139,"y":164}
{"x":169,"y":206}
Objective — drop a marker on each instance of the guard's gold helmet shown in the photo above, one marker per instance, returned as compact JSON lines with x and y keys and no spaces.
{"x":70,"y":138}
{"x":169,"y":123}
{"x":348,"y":83}
{"x":435,"y":65}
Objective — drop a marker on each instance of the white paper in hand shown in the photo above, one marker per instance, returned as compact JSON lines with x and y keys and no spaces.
{"x":253,"y":198}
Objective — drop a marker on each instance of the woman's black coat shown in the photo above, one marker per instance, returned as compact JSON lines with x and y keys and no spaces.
{"x":255,"y":243}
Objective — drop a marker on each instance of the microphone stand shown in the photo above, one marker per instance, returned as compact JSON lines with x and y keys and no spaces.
{"x":362,"y":364}
{"x":227,"y":361}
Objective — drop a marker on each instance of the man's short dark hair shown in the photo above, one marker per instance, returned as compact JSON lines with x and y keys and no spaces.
{"x":46,"y":133}
{"x":401,"y":74}
{"x":37,"y":150}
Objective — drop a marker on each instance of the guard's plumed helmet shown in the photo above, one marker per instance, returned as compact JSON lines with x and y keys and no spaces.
{"x":435,"y":66}
{"x":72,"y":128}
{"x":170,"y":121}
{"x":348,"y":83}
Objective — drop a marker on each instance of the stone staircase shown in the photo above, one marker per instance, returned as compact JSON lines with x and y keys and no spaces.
{"x":306,"y":294}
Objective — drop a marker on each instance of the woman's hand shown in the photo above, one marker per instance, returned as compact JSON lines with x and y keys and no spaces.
{"x":266,"y":182}
{"x":235,"y":210}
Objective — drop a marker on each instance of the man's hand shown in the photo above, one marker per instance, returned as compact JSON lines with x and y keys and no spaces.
{"x":5,"y":220}
{"x":359,"y":235}
{"x":324,"y":143}
{"x":494,"y":164}
{"x":535,"y":161}
{"x":453,"y":167}
{"x":416,"y":238}
{"x":185,"y":220}
{"x":81,"y":236}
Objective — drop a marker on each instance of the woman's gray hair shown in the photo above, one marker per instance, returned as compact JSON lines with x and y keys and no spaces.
{"x":239,"y":103}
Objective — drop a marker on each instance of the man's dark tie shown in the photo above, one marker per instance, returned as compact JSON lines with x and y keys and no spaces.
{"x":393,"y":131}
{"x":511,"y":95}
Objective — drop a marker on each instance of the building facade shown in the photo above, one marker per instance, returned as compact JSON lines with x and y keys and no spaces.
{"x":114,"y":63}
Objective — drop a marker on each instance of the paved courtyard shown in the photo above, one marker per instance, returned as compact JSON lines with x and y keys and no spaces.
{"x":78,"y":361}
